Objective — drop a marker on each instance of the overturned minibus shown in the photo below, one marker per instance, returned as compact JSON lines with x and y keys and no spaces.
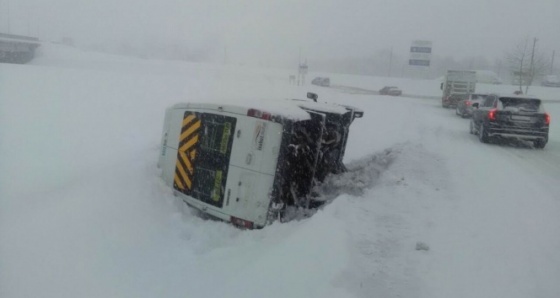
{"x":247,"y":163}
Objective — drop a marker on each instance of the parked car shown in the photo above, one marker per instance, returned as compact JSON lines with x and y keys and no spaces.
{"x":510,"y":116}
{"x":321,"y":81}
{"x":551,"y":81}
{"x":464,"y":107}
{"x":390,"y":90}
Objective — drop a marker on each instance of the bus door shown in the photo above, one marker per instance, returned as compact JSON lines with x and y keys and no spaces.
{"x":203,"y":156}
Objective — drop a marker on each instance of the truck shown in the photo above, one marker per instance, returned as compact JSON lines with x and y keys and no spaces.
{"x":250,"y":164}
{"x":457,"y":85}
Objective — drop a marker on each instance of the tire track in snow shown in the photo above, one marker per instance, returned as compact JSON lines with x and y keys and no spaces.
{"x":384,"y":224}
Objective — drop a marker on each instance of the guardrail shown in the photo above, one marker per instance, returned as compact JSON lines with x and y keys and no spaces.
{"x":17,"y":48}
{"x":19,"y":38}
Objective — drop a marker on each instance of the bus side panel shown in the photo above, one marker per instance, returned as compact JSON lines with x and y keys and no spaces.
{"x":164,"y":136}
{"x":271,"y":148}
{"x":256,"y":145}
{"x":168,"y":154}
{"x":168,"y":166}
{"x":248,"y":195}
{"x":175,"y":126}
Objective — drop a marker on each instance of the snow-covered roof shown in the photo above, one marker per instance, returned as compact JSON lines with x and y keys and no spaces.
{"x":317,"y":106}
{"x":288,"y":108}
{"x":284,"y":108}
{"x":520,"y":96}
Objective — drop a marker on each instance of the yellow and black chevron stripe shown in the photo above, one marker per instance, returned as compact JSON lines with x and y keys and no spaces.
{"x":186,"y":153}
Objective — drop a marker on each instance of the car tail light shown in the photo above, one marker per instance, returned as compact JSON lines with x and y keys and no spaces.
{"x":546,"y":118}
{"x":492,"y":115}
{"x":241,"y":223}
{"x":468,"y":102}
{"x":259,"y":114}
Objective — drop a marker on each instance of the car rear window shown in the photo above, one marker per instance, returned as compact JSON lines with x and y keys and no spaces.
{"x":529,"y":104}
{"x":478,"y":96}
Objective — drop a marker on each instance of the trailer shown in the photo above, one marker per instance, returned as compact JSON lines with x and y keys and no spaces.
{"x":457,"y":85}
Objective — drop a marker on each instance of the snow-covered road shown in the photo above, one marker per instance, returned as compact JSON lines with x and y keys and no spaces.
{"x":83,"y":212}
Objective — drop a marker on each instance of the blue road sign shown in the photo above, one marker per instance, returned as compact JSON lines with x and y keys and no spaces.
{"x":421,"y":50}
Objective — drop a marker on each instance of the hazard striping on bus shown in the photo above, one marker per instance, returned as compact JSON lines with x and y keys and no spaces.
{"x":186,"y":155}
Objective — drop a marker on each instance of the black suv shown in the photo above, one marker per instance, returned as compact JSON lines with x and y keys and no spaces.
{"x":511,"y":116}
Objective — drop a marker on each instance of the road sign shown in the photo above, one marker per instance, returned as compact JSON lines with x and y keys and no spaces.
{"x":420,"y":53}
{"x":421,"y":50}
{"x":303,"y":69}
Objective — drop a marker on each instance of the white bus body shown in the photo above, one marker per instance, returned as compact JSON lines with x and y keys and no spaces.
{"x":241,"y":164}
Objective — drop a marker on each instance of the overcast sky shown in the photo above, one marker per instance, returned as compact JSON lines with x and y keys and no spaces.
{"x":268,"y":29}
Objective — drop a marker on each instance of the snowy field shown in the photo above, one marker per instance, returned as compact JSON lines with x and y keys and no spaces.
{"x":83,"y":212}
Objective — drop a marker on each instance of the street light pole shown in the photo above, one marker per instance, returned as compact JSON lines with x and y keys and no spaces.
{"x":8,"y":12}
{"x":390,"y":61}
{"x":552,"y":62}
{"x":532,"y":65}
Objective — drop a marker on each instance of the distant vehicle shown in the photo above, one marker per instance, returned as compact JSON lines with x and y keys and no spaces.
{"x":551,"y":81}
{"x":521,"y":78}
{"x":456,"y":86}
{"x":321,"y":81}
{"x":390,"y":90}
{"x":510,"y":116}
{"x":247,"y":164}
{"x":464,"y":107}
{"x":487,"y":77}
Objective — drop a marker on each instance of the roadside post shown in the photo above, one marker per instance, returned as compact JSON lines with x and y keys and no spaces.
{"x":302,"y":71}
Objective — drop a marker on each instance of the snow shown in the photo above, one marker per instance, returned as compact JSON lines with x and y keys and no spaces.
{"x":83,"y":212}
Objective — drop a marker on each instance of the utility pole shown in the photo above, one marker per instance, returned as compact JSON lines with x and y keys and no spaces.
{"x":300,"y":70}
{"x":28,"y":23}
{"x":552,"y":62}
{"x":8,"y":11}
{"x":531,"y":66}
{"x":499,"y":67}
{"x":390,"y":61}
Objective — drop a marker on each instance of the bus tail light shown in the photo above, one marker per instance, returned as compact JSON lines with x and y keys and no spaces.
{"x":241,"y":223}
{"x":259,"y":114}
